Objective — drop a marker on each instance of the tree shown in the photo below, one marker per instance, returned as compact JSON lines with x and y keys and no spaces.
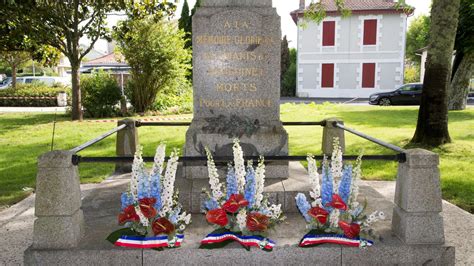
{"x":285,"y":57}
{"x":464,"y":61}
{"x":432,"y":126}
{"x":289,"y":79}
{"x":157,"y":57}
{"x":61,"y":24}
{"x":15,"y":60}
{"x":417,"y":37}
{"x":184,"y":23}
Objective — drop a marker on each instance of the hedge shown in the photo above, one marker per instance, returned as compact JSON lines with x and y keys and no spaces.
{"x":35,"y":95}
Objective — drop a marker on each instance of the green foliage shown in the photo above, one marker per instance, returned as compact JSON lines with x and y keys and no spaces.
{"x":32,"y":90}
{"x":101,"y":93}
{"x":175,"y":101}
{"x":417,"y":37}
{"x":157,"y":57}
{"x":185,"y":24}
{"x":465,"y":32}
{"x":289,"y":79}
{"x":316,"y":11}
{"x":412,"y":74}
{"x":285,"y":57}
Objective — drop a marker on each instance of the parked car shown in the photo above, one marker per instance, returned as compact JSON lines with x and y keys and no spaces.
{"x":5,"y":83}
{"x":49,"y":81}
{"x":408,"y":94}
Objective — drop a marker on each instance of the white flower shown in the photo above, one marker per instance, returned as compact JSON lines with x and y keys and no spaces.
{"x":314,"y":178}
{"x":187,"y":219}
{"x":336,"y":163}
{"x":159,"y":160}
{"x":143,"y":219}
{"x":334,"y":218}
{"x":356,"y":176}
{"x":182,"y":227}
{"x":239,"y":165}
{"x":242,"y":219}
{"x":275,"y":211}
{"x":168,"y":183}
{"x":259,"y":182}
{"x":137,"y":170}
{"x":381,"y":215}
{"x":214,"y":183}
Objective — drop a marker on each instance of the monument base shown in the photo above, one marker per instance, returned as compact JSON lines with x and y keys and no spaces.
{"x":266,"y":140}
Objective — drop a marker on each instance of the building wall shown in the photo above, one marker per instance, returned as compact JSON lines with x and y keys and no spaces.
{"x":348,"y":55}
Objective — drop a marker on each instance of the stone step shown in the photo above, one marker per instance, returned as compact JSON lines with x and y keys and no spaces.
{"x":101,"y":208}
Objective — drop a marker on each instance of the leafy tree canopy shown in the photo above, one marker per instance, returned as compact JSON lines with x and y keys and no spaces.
{"x":417,"y":37}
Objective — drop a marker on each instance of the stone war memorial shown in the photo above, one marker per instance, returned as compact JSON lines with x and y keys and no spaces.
{"x":316,"y":214}
{"x":236,"y":80}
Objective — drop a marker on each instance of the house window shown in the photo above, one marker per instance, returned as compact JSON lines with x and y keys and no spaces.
{"x":368,"y":75}
{"x":370,"y":32}
{"x":327,"y":76}
{"x":329,"y":32}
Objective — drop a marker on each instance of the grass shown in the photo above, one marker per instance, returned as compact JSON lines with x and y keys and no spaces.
{"x":23,"y":137}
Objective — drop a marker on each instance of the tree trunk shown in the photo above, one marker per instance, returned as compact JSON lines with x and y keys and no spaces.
{"x":14,"y":76}
{"x":432,"y":126}
{"x":459,"y":89}
{"x":76,"y":93}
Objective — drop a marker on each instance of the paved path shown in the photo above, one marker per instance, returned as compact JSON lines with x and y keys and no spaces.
{"x":16,"y":227}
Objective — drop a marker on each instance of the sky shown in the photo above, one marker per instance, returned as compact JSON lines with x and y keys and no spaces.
{"x":283,"y":7}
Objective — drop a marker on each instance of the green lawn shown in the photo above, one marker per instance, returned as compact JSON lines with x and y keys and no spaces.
{"x":23,"y":137}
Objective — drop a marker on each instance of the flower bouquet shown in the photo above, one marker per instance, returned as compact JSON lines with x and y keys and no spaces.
{"x":151,"y":213}
{"x":239,"y":211}
{"x":335,"y":216}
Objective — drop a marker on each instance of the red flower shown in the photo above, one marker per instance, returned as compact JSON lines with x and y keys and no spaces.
{"x":257,"y":222}
{"x":350,"y":230}
{"x":235,"y":202}
{"x":128,"y":215}
{"x":337,"y":202}
{"x":319,"y":214}
{"x":217,"y":216}
{"x":146,"y":206}
{"x":162,"y":226}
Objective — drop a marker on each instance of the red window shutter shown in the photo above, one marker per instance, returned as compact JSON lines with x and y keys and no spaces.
{"x":327,"y":76}
{"x":329,"y":32}
{"x":370,"y":32}
{"x":368,"y":75}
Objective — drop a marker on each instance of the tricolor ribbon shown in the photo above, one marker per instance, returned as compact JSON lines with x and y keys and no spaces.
{"x":313,"y":240}
{"x":247,"y":241}
{"x":149,"y":242}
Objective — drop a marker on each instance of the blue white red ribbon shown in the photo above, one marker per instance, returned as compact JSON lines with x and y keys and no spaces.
{"x":149,"y":242}
{"x":311,"y":240}
{"x":247,"y":241}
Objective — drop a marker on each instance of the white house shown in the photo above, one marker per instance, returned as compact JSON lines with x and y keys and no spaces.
{"x":353,"y":56}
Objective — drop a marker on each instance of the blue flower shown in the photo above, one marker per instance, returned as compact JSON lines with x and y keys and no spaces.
{"x":155,"y":190}
{"x":143,"y":186}
{"x":174,"y":216}
{"x":303,"y":206}
{"x":126,"y":199}
{"x":250,"y":188}
{"x":232,"y":187}
{"x":211,"y":204}
{"x":345,"y":184}
{"x":326,"y":187}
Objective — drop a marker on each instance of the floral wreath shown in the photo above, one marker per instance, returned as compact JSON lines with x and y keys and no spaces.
{"x":239,"y":213}
{"x":151,"y":213}
{"x":335,"y":216}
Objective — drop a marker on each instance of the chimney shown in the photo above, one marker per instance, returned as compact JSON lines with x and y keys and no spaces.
{"x":302,"y":4}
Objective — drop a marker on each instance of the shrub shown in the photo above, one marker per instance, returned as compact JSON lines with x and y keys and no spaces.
{"x":32,"y":95}
{"x":412,"y":74}
{"x":100,"y":94}
{"x":157,"y":57}
{"x":288,"y":85}
{"x":174,"y":101}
